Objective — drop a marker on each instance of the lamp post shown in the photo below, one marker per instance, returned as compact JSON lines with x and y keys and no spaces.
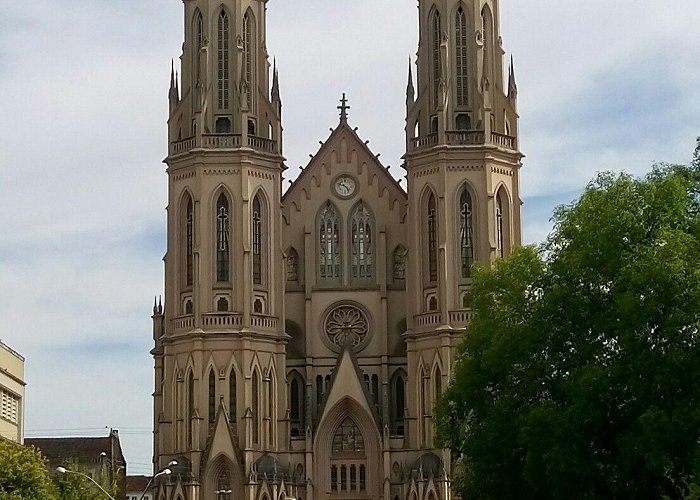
{"x":164,"y":472}
{"x":223,"y":494}
{"x":63,"y":470}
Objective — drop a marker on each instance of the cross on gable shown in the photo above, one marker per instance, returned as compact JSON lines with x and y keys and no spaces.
{"x":343,"y":109}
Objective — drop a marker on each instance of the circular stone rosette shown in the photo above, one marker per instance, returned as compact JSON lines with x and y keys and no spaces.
{"x":346,"y":324}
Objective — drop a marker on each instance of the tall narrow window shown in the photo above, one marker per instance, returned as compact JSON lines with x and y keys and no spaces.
{"x":432,"y":238}
{"x":212,"y":396}
{"x":398,"y":405}
{"x":436,"y":36}
{"x":223,"y":56}
{"x":466,"y":233}
{"x":361,"y":235}
{"x":292,"y":266}
{"x":329,"y":242}
{"x":233,"y":413}
{"x":256,"y":222}
{"x":249,"y":41}
{"x":255,"y":386}
{"x":190,"y":410}
{"x":461,"y":56}
{"x":296,"y":406}
{"x":189,"y":242}
{"x":222,"y":238}
{"x":499,"y":227}
{"x":486,"y":21}
{"x":438,"y":383}
{"x":198,"y":44}
{"x":400,"y":255}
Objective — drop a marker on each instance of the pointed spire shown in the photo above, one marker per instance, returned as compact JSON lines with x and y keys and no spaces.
{"x":172,"y":74}
{"x":410,"y":89}
{"x":155,"y":305}
{"x":275,"y":84}
{"x":512,"y":85}
{"x":174,"y":93}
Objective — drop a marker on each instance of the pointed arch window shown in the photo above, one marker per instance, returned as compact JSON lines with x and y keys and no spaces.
{"x":348,"y":438}
{"x":329,"y":242}
{"x":223,"y":59}
{"x":432,"y":238}
{"x":189,"y":241}
{"x":233,"y":414}
{"x":466,"y":233}
{"x":438,"y":383}
{"x":249,"y":41}
{"x":257,"y":232}
{"x":499,"y":227}
{"x":400,"y":255}
{"x":361,"y":237}
{"x":198,"y":44}
{"x":296,"y":406}
{"x":487,"y":25}
{"x":190,"y":409}
{"x":212,"y":396}
{"x":398,"y":403}
{"x":461,"y":40}
{"x":222,"y":239}
{"x":435,"y":39}
{"x":255,"y":386}
{"x":292,"y":266}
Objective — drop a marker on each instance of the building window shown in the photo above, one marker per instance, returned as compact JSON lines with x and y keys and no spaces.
{"x":190,"y":410}
{"x":499,"y":227}
{"x":462,"y":122}
{"x":487,"y":26}
{"x":256,"y":407}
{"x":438,"y":383}
{"x":348,"y":438}
{"x":400,"y":255}
{"x":223,"y":125}
{"x":222,"y":239}
{"x":10,"y":407}
{"x":466,"y":233}
{"x":329,"y":242}
{"x":222,"y":305}
{"x":432,"y":238}
{"x":249,"y":41}
{"x":462,"y":38}
{"x":256,"y":222}
{"x":436,"y":38}
{"x":292,"y":266}
{"x":232,"y":396}
{"x":223,"y":57}
{"x":398,"y":405}
{"x":189,"y":242}
{"x":296,"y":406}
{"x":212,"y":396}
{"x":198,"y":44}
{"x":361,"y":237}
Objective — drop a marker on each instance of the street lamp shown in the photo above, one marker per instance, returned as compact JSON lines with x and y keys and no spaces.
{"x":63,"y":470}
{"x":223,"y":494}
{"x":164,"y":472}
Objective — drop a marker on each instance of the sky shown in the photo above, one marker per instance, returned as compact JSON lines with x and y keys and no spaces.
{"x":83,"y":90}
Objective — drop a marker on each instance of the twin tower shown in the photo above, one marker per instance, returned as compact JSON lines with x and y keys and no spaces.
{"x":306,"y":335}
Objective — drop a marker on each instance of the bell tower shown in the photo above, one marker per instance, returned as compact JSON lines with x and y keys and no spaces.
{"x":463,"y":163}
{"x":220,"y":384}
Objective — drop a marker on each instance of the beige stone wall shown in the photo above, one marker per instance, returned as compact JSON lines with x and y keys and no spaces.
{"x":12,"y":394}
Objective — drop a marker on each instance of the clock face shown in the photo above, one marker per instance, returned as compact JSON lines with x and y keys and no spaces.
{"x":345,"y":185}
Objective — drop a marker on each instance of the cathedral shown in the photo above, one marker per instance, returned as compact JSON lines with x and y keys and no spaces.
{"x":306,"y":334}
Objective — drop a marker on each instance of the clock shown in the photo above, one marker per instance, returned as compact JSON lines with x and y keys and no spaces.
{"x":345,"y":186}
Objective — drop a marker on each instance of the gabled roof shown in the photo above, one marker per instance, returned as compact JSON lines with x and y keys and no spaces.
{"x":343,"y":127}
{"x":347,"y":381}
{"x":86,"y":450}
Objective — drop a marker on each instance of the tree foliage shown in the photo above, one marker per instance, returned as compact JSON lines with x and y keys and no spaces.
{"x":579,"y":376}
{"x":23,"y":473}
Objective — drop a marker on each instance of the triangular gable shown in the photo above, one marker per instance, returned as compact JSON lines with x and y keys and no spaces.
{"x":347,"y":381}
{"x":333,"y":141}
{"x":222,"y":441}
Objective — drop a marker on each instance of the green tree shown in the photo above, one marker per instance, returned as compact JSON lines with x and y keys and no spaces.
{"x":72,"y":486}
{"x":23,"y":473}
{"x":579,"y":376}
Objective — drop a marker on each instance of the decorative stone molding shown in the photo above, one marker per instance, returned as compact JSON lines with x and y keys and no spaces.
{"x":346,"y":324}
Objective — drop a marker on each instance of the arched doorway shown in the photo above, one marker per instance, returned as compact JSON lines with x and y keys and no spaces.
{"x":347,"y":454}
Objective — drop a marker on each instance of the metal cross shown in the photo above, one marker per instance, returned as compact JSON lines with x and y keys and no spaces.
{"x":343,"y":109}
{"x":223,"y":229}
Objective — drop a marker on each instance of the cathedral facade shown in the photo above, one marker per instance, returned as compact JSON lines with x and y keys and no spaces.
{"x":305,"y":335}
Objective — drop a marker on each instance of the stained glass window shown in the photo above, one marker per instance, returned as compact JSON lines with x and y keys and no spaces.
{"x":223,"y":56}
{"x":361,"y":234}
{"x":222,"y":238}
{"x":329,"y":242}
{"x":348,"y":438}
{"x":466,"y":233}
{"x":461,"y":56}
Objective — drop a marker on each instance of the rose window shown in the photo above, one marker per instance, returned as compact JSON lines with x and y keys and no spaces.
{"x":346,"y":324}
